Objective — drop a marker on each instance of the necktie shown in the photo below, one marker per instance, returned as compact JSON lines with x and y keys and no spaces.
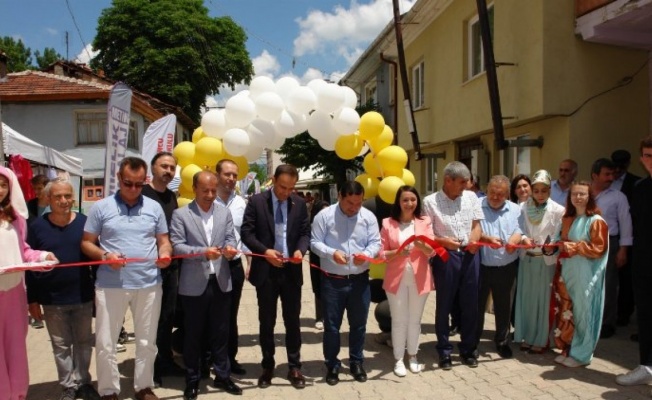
{"x":278,"y":218}
{"x":278,"y":234}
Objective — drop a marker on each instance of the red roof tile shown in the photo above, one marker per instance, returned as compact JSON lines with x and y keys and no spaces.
{"x":36,"y":85}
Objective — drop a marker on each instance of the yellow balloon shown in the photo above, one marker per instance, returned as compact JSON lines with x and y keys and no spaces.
{"x":186,"y":175}
{"x":183,"y":201}
{"x":408,"y":177}
{"x":198,"y":134}
{"x":388,"y":187}
{"x":347,"y":147}
{"x":370,"y":185}
{"x":208,"y":151}
{"x":371,"y":125}
{"x":184,"y":152}
{"x":381,"y":141}
{"x":188,"y":193}
{"x":371,"y":165}
{"x":392,"y":160}
{"x":243,"y":166}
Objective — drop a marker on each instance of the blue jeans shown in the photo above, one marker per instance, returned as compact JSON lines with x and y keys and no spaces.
{"x":354,"y":296}
{"x":72,"y":339}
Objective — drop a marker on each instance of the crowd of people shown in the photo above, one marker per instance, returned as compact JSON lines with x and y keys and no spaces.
{"x":564,"y":262}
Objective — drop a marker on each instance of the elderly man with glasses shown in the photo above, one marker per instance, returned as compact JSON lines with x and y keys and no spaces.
{"x":127,"y":225}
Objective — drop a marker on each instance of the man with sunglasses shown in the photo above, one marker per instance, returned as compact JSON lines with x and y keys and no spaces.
{"x":122,"y":226}
{"x":559,"y":188}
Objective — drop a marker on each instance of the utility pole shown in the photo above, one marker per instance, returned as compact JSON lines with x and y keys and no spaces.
{"x":67,"y":49}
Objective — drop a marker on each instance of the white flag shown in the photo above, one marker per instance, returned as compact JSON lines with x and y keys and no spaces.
{"x":116,"y":136}
{"x":159,"y":137}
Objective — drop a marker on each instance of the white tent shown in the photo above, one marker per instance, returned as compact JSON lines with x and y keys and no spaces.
{"x":15,"y":143}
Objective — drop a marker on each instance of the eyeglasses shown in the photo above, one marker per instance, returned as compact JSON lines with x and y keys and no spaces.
{"x":137,"y":185}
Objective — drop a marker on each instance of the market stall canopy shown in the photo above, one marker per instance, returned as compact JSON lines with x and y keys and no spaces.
{"x":14,"y":143}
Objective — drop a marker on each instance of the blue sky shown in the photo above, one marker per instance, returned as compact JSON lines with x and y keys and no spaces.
{"x":322,"y":38}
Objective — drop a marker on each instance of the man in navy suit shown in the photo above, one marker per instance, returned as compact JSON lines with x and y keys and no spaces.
{"x":276,"y":224}
{"x":205,"y":229}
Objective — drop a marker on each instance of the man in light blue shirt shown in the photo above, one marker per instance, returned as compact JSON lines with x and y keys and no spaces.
{"x":559,"y":188}
{"x":122,"y":226}
{"x":498,"y":266}
{"x":342,"y":235}
{"x":615,"y":211}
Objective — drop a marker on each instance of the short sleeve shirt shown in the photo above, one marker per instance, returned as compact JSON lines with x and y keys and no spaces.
{"x":453,"y":218}
{"x":130,"y":231}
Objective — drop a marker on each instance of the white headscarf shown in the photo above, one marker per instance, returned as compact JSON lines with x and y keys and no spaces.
{"x":17,"y":199}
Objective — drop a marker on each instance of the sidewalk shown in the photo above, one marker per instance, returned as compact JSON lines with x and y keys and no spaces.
{"x":523,"y":377}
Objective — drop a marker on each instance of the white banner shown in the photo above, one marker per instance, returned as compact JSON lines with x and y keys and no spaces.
{"x":116,"y":134}
{"x":159,"y":137}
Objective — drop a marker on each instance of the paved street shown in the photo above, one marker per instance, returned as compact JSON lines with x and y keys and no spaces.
{"x":523,"y":377}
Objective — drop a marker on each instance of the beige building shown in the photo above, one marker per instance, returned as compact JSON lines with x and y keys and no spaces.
{"x":561,"y":96}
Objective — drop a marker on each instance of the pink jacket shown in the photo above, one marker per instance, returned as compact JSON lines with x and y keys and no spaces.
{"x":396,"y":265}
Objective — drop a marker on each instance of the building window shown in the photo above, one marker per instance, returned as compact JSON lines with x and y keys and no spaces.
{"x":476,"y":54}
{"x":91,"y":129}
{"x":93,"y":189}
{"x":516,"y":160}
{"x":418,"y":97}
{"x":370,"y":92}
{"x":431,"y":174}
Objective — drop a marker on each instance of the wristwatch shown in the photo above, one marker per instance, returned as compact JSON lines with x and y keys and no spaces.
{"x":104,"y":256}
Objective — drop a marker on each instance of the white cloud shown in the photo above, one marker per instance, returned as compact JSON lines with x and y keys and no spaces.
{"x":86,"y":55}
{"x":344,"y":32}
{"x":52,"y":31}
{"x":266,"y":64}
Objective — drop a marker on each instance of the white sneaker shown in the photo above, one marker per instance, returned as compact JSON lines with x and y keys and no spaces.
{"x":399,"y":368}
{"x":120,"y":348}
{"x":560,"y":359}
{"x":641,"y":375}
{"x":415,"y":367}
{"x":319,"y":326}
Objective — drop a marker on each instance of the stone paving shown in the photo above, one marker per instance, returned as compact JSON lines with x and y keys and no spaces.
{"x":523,"y":377}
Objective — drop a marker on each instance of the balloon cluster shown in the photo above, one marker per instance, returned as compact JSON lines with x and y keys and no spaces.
{"x":384,"y":164}
{"x":270,"y":112}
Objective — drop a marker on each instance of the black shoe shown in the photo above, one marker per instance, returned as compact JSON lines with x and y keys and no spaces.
{"x":504,"y":351}
{"x":470,"y":361}
{"x":445,"y":363}
{"x":87,"y":392}
{"x":191,"y":393}
{"x":296,"y":378}
{"x":358,"y":373}
{"x":237,"y":369}
{"x":227,"y":385}
{"x":333,"y":376}
{"x":607,"y":331}
{"x":265,"y":379}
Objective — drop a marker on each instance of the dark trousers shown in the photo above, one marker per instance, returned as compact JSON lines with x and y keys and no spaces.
{"x":278,"y":284}
{"x":170,"y":287}
{"x":237,"y":282}
{"x":625,"y":290}
{"x":207,"y":313}
{"x":643,"y":298}
{"x":611,"y":285}
{"x":458,"y":274}
{"x":337,"y":295}
{"x":500,"y":282}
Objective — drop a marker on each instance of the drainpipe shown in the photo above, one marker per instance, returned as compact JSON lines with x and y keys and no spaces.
{"x":394,"y":84}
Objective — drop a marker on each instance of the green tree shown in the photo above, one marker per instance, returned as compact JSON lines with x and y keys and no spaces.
{"x":20,"y":57}
{"x":48,"y":57}
{"x":171,"y":49}
{"x":304,"y":152}
{"x":261,"y":175}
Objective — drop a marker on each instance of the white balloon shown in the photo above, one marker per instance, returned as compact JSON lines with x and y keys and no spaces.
{"x":330,"y":98}
{"x":243,"y":93}
{"x":346,"y":121}
{"x":214,"y":123}
{"x":301,"y":100}
{"x":351,"y":98}
{"x":260,"y":85}
{"x":269,"y":106}
{"x":239,"y":111}
{"x":278,"y":142}
{"x":284,"y":125}
{"x":285,"y":86}
{"x":320,"y":125}
{"x":253,"y":153}
{"x":261,"y":132}
{"x":316,"y":85}
{"x":300,"y":122}
{"x":327,"y":142}
{"x":236,"y":141}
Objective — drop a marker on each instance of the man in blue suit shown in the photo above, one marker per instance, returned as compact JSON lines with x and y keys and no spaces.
{"x":276,"y":224}
{"x":205,"y":229}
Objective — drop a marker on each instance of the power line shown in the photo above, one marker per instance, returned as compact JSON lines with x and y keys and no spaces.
{"x":74,"y":21}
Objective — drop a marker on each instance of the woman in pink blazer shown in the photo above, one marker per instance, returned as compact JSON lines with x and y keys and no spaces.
{"x":408,"y":279}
